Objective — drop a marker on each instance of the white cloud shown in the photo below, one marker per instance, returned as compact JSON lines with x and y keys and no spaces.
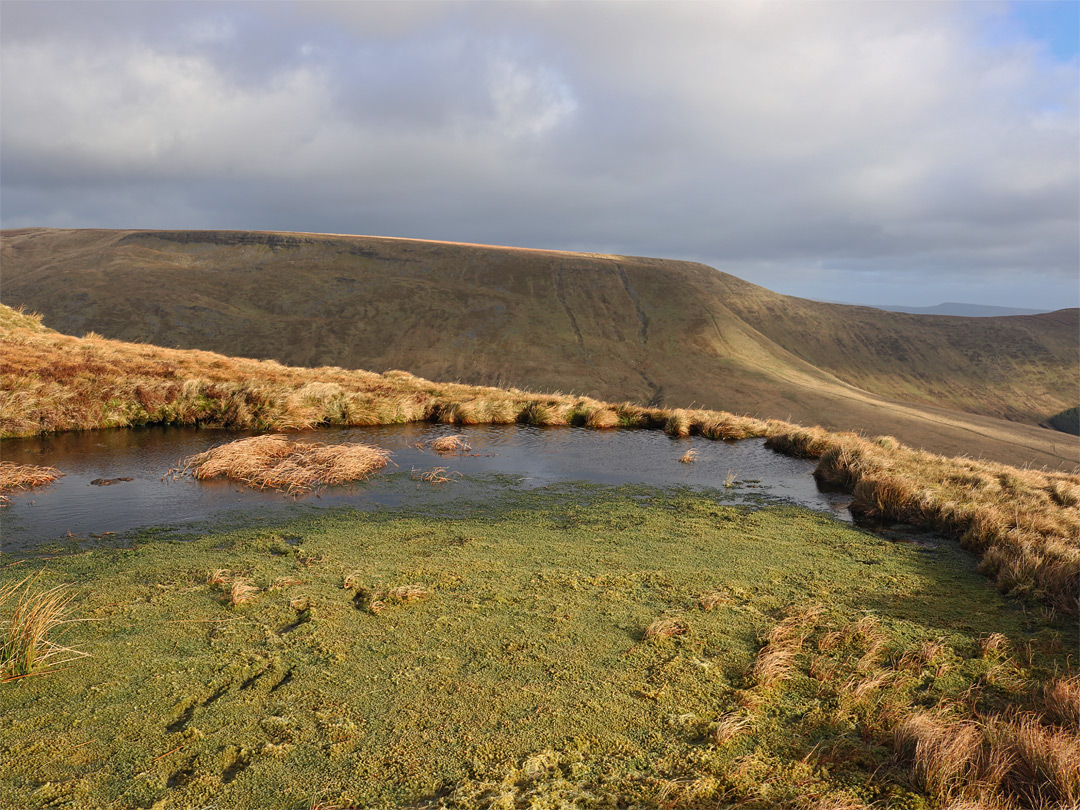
{"x":853,"y":137}
{"x":528,"y":102}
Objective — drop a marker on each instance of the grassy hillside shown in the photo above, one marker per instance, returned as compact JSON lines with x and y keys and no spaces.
{"x":614,"y":327}
{"x":1024,"y":524}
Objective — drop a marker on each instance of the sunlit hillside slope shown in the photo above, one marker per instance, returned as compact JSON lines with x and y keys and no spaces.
{"x":615,"y":327}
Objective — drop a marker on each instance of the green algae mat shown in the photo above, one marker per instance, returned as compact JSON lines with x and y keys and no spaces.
{"x":495,"y":656}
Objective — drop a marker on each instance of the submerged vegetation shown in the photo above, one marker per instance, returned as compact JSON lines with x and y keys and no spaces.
{"x":579,"y":647}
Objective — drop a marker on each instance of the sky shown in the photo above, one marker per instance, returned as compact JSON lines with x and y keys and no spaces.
{"x":908,"y":152}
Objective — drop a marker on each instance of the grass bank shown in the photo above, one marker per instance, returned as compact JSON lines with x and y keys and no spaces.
{"x":500,"y":656}
{"x":1024,"y":525}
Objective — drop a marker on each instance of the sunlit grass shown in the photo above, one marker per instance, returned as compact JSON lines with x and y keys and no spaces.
{"x":31,"y":621}
{"x":651,"y":647}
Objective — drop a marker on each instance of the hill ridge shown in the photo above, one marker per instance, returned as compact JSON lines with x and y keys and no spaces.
{"x":612,"y":326}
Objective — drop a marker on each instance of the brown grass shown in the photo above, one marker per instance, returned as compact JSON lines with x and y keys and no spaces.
{"x":436,"y":475}
{"x":1022,"y":524}
{"x":379,"y":600}
{"x":407,"y":594}
{"x":711,"y":600}
{"x":276,"y":462}
{"x":1061,"y":701}
{"x":689,"y":457}
{"x":666,"y":628}
{"x":1013,"y":519}
{"x":985,"y":746}
{"x":1016,"y":759}
{"x":450,"y":444}
{"x":30,"y":628}
{"x":241,"y":591}
{"x":24,"y":476}
{"x":776,"y":659}
{"x":727,"y":728}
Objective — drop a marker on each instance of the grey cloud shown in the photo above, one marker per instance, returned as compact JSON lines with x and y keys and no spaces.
{"x":877,"y":146}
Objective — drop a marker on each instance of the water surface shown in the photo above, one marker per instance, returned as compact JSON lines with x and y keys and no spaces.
{"x":501,"y":455}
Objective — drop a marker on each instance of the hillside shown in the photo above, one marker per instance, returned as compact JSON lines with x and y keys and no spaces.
{"x":614,"y":327}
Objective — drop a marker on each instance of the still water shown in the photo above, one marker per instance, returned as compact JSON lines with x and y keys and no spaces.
{"x":501,"y":456}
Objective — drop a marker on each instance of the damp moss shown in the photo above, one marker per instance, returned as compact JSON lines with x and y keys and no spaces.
{"x":527,"y":662}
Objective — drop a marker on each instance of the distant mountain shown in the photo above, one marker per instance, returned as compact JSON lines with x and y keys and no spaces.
{"x":964,"y":310}
{"x":615,"y":327}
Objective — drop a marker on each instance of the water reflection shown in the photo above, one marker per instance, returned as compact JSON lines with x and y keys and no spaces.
{"x":526,"y":457}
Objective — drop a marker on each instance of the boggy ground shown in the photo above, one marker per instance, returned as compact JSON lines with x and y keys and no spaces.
{"x":287,"y":667}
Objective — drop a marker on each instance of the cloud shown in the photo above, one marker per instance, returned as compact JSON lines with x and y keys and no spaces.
{"x":816,"y":148}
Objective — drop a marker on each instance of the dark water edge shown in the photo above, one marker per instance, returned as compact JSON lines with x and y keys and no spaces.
{"x":520,"y":457}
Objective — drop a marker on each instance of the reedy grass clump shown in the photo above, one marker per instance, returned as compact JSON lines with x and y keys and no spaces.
{"x":276,"y":462}
{"x":237,"y":589}
{"x":450,"y":444}
{"x":379,"y":600}
{"x":667,"y":627}
{"x":436,"y":475}
{"x":1014,"y":519}
{"x":991,"y":738}
{"x":24,"y":476}
{"x":31,"y":621}
{"x":689,"y":457}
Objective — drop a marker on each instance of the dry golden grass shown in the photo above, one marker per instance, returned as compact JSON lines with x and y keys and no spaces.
{"x":30,"y":627}
{"x":276,"y":462}
{"x":727,"y":728}
{"x":711,"y":600}
{"x":241,"y":591}
{"x":436,"y":475}
{"x":689,"y":457}
{"x":990,"y":746}
{"x":667,"y":627}
{"x":450,"y":444}
{"x":406,"y":594}
{"x":1061,"y":701}
{"x":1012,"y":758}
{"x":1023,"y":524}
{"x":24,"y":476}
{"x":219,"y":576}
{"x":379,"y":600}
{"x":1013,"y":519}
{"x":776,"y":659}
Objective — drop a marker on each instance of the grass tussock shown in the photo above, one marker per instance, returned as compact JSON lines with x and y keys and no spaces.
{"x":241,"y":591}
{"x":236,"y":589}
{"x":31,"y":621}
{"x":970,"y":729}
{"x":450,"y":444}
{"x":689,"y":457}
{"x":379,"y":600}
{"x":276,"y":462}
{"x":436,"y":475}
{"x":15,"y":477}
{"x":667,"y":627}
{"x":1016,"y":521}
{"x":1024,"y":525}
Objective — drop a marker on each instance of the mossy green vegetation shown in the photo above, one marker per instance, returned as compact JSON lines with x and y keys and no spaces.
{"x":497,"y":656}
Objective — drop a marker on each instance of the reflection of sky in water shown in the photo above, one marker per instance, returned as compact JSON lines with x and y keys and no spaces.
{"x":527,"y":457}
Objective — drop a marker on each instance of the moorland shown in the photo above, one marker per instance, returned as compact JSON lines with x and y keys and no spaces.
{"x":577,"y":645}
{"x":660,"y":332}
